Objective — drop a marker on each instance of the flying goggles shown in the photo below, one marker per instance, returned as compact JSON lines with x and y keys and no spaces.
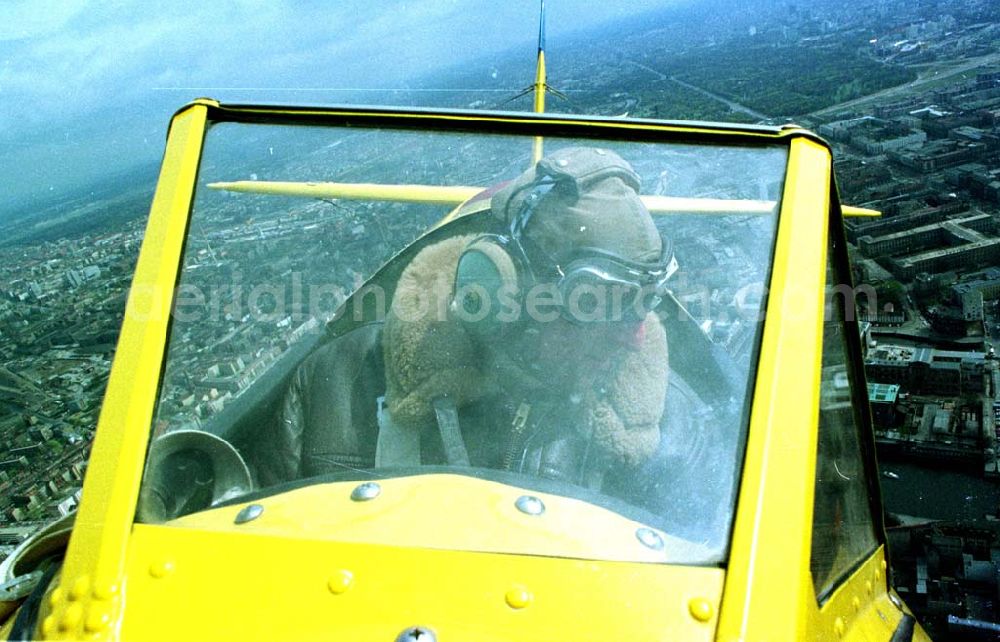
{"x":594,"y":285}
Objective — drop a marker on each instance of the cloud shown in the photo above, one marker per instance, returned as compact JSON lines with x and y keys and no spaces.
{"x":77,"y":65}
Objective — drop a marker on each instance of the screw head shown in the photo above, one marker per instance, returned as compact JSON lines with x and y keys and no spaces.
{"x":700,"y":609}
{"x":161,"y":569}
{"x":340,"y":582}
{"x":249,"y":513}
{"x":530,"y":505}
{"x":518,"y":597}
{"x":365,"y":492}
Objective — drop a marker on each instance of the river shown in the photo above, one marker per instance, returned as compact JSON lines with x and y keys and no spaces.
{"x":937,"y":494}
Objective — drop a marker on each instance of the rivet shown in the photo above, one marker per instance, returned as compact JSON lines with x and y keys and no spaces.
{"x":56,"y":596}
{"x":80,"y":588}
{"x":417,"y":634}
{"x":105,"y":591}
{"x":878,"y":575}
{"x":161,"y":569}
{"x":885,"y":565}
{"x":650,"y":538}
{"x":365,"y":492}
{"x":71,"y":618}
{"x":700,"y":609}
{"x":97,"y":621}
{"x":868,"y":587}
{"x":600,"y":152}
{"x":340,"y":582}
{"x":530,"y":505}
{"x":49,"y":626}
{"x":839,"y":627}
{"x":518,"y":597}
{"x":562,"y":162}
{"x":249,"y":513}
{"x":856,"y":604}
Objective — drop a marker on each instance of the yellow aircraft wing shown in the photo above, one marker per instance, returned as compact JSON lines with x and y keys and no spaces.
{"x":454,"y":195}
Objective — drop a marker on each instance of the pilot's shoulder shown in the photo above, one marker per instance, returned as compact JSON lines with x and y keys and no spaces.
{"x":433,"y":263}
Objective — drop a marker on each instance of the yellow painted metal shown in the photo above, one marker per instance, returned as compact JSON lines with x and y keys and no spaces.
{"x":489,"y":520}
{"x":537,"y":148}
{"x":539,"y":105}
{"x":95,"y":560}
{"x":425,"y":194}
{"x":860,"y":609}
{"x":768,"y":587}
{"x":456,"y":195}
{"x":273,"y":587}
{"x":859,"y":212}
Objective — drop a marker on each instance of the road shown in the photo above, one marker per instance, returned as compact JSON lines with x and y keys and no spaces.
{"x":722,"y":99}
{"x":704,"y":92}
{"x":924,"y":78}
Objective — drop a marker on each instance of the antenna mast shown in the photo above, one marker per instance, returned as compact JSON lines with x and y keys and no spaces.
{"x":540,"y":85}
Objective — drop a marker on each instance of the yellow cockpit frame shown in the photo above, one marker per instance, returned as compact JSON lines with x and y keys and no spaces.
{"x":123,"y":580}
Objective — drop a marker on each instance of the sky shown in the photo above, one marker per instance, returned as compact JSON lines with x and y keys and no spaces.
{"x":87,"y":87}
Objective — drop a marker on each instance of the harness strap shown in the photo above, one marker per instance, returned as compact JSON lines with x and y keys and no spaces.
{"x":395,"y":445}
{"x":451,"y":434}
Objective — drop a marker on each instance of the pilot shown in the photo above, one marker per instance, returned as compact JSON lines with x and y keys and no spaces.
{"x":532,"y":349}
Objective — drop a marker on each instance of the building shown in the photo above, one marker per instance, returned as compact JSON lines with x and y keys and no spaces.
{"x":882,"y":397}
{"x":936,"y":247}
{"x":904,"y":221}
{"x":972,"y":293}
{"x":926,"y":370}
{"x":958,"y":243}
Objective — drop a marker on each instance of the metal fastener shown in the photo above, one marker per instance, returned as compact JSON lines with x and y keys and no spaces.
{"x":530,"y":505}
{"x":104,"y":591}
{"x":340,"y":582}
{"x":97,"y":621}
{"x":249,"y":513}
{"x":518,"y":597}
{"x":71,"y":617}
{"x":80,"y":588}
{"x":49,"y":626}
{"x":417,"y":634}
{"x":650,"y":538}
{"x":366,"y":492}
{"x":700,"y":609}
{"x":161,"y":569}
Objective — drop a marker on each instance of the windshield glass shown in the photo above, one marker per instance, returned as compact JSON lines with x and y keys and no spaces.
{"x":585,"y":327}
